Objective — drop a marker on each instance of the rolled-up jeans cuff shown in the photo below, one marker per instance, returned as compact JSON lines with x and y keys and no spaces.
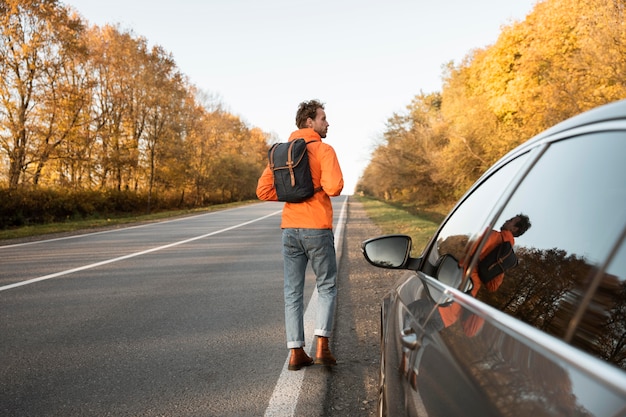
{"x":323,"y":333}
{"x":295,"y":345}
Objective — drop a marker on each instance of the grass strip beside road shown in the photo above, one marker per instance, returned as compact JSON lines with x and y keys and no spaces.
{"x":395,"y":220}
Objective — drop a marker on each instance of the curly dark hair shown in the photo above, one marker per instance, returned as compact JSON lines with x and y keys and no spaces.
{"x":523,"y":224}
{"x":307,"y":109}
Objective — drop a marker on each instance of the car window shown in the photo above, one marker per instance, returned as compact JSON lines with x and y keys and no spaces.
{"x":601,"y":330}
{"x":603,"y":327}
{"x":574,"y":197}
{"x":470,"y":218}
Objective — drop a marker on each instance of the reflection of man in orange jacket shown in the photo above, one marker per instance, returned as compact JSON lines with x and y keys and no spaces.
{"x":511,"y":229}
{"x":445,"y":316}
{"x":308,"y":236}
{"x":442,"y":317}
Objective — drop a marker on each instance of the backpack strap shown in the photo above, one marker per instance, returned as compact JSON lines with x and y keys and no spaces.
{"x":271,"y":158}
{"x":316,"y":189}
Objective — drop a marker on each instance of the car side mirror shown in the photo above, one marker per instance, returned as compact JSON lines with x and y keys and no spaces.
{"x":449,"y":272}
{"x":389,"y":251}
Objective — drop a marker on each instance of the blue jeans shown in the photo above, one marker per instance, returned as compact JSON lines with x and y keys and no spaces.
{"x":299,"y":247}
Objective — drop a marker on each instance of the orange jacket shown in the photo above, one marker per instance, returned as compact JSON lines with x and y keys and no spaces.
{"x":451,"y":313}
{"x":317,"y":211}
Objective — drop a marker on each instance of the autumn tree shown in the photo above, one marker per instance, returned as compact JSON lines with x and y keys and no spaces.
{"x":94,"y":108}
{"x":401,"y":168}
{"x":164,"y":93}
{"x":566,"y":57}
{"x":39,"y":82}
{"x":119,"y":111}
{"x":237,"y":159}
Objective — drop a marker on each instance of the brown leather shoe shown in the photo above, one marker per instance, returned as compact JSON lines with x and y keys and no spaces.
{"x":298,"y":359}
{"x":322,"y":353}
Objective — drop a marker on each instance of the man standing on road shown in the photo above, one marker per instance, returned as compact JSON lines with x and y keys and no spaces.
{"x":308,"y":236}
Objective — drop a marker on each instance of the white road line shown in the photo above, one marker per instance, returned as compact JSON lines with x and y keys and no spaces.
{"x":131,"y":255}
{"x":287,"y":390}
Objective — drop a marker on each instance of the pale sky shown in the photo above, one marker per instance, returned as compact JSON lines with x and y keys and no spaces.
{"x":364,"y":59}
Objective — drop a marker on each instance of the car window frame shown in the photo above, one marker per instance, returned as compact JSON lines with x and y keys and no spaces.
{"x":533,"y":153}
{"x":535,"y":150}
{"x":609,"y":126}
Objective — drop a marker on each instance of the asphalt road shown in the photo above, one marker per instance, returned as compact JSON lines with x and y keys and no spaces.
{"x":177,"y":318}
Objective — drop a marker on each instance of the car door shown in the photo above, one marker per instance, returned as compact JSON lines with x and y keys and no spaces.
{"x":553,"y":331}
{"x":565,"y":287}
{"x":433,"y":381}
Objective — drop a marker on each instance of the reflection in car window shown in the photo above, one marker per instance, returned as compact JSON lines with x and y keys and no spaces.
{"x":602,"y":329}
{"x":470,"y":218}
{"x":574,"y":197}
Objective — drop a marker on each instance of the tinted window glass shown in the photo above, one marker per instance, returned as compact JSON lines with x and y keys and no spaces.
{"x":602,"y":329}
{"x":470,"y":218}
{"x":575,"y":198}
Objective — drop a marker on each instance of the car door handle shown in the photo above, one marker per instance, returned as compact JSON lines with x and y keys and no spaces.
{"x":409,"y":339}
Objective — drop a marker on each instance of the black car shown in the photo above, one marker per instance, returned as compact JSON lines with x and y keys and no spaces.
{"x":547,"y":336}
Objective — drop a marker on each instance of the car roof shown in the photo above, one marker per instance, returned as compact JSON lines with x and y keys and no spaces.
{"x":607,"y":112}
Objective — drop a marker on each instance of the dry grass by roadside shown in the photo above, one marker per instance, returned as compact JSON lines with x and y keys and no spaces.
{"x":391,"y":220}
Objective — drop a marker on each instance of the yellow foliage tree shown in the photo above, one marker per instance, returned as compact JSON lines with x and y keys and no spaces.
{"x":95,"y":108}
{"x":566,"y":57}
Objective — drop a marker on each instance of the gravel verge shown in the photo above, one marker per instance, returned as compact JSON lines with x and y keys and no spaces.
{"x":352,"y":387}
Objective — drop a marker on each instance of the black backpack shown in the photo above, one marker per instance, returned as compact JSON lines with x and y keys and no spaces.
{"x":500,"y":259}
{"x":289,"y":163}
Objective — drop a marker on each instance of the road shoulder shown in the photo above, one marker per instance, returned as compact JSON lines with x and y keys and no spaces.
{"x":350,"y":388}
